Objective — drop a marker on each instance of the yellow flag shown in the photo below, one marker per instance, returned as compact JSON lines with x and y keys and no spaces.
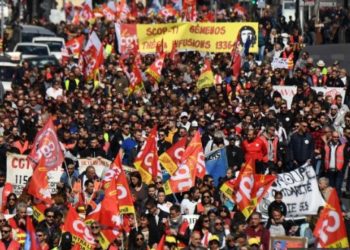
{"x":206,"y":79}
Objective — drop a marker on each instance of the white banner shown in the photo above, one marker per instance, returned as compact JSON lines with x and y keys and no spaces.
{"x":19,"y":170}
{"x":288,"y":92}
{"x":280,"y":63}
{"x":300,"y":193}
{"x":101,"y":166}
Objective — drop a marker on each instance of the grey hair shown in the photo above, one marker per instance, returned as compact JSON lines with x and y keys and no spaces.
{"x":219,"y":134}
{"x":325,"y":180}
{"x":21,"y":205}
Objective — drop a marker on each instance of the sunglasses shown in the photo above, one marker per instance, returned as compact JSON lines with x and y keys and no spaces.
{"x":95,"y":227}
{"x":139,"y":239}
{"x":2,"y":221}
{"x":206,"y":197}
{"x":39,"y":235}
{"x":206,"y":221}
{"x":218,"y":224}
{"x":49,"y":216}
{"x":5,"y":232}
{"x":159,"y":182}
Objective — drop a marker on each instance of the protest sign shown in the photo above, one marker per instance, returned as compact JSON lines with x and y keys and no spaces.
{"x":288,"y":92}
{"x":191,"y":219}
{"x":204,"y":37}
{"x":300,"y":193}
{"x":19,"y":170}
{"x":279,"y":63}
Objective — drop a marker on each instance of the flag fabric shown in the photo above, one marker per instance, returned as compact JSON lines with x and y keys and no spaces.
{"x":236,"y":57}
{"x":125,"y":202}
{"x":76,"y":247}
{"x":160,"y":245}
{"x":206,"y":79}
{"x":194,"y":155}
{"x":39,"y":184}
{"x":330,"y":229}
{"x":39,"y":208}
{"x":146,"y":161}
{"x":135,"y":79}
{"x":75,"y":45}
{"x":80,"y":232}
{"x":109,"y":214}
{"x":31,"y":242}
{"x":262,"y":184}
{"x":244,"y":189}
{"x":91,"y":58}
{"x":240,"y":10}
{"x":171,"y":159}
{"x":192,"y":165}
{"x":216,"y":164}
{"x":155,"y":70}
{"x":107,"y":237}
{"x":108,"y":13}
{"x":227,"y":188}
{"x":46,"y":144}
{"x":87,"y":15}
{"x":168,"y":11}
{"x":159,"y":48}
{"x":175,"y":54}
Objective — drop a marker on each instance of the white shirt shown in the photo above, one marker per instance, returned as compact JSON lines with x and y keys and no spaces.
{"x":187,"y":204}
{"x":54,"y":93}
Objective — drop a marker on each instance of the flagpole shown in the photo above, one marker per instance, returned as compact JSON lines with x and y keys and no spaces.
{"x":122,"y":232}
{"x":66,"y":168}
{"x":136,"y":226}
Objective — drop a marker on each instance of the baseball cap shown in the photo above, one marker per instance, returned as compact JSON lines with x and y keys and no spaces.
{"x":66,"y":238}
{"x":183,"y":114}
{"x":320,"y":93}
{"x":253,"y":241}
{"x":214,"y":237}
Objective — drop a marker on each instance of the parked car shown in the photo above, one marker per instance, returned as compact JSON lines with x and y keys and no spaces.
{"x":56,"y":44}
{"x":8,"y":68}
{"x":32,"y":49}
{"x":42,"y":61}
{"x":26,"y":33}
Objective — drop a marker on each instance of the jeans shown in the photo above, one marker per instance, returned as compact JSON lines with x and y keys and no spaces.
{"x":336,"y":180}
{"x":261,"y":53}
{"x":312,"y":35}
{"x":318,"y":163}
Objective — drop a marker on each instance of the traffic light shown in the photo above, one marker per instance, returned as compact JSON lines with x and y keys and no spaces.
{"x":253,"y":2}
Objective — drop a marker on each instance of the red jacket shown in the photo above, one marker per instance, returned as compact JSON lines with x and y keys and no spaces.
{"x":14,"y":245}
{"x":255,"y":149}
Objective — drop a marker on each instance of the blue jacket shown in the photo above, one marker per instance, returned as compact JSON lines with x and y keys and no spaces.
{"x":302,"y":147}
{"x":65,"y":180}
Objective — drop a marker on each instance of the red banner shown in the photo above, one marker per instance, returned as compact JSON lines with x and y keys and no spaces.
{"x":75,"y":45}
{"x":155,"y":70}
{"x":128,"y":36}
{"x":39,"y":184}
{"x":46,"y":144}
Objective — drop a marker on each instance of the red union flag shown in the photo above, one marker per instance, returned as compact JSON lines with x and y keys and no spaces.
{"x":244,"y":189}
{"x":108,"y":13}
{"x":75,"y":45}
{"x":146,"y":161}
{"x":194,"y":155}
{"x":46,"y":145}
{"x":155,"y":70}
{"x":330,"y":229}
{"x":171,"y":159}
{"x":39,"y":185}
{"x":80,"y":232}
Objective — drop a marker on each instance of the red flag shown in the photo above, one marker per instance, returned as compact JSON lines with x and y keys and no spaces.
{"x":108,"y":13}
{"x":194,"y":155}
{"x":76,"y":247}
{"x":135,"y":79}
{"x":46,"y":144}
{"x":39,"y":184}
{"x":193,"y":164}
{"x":175,"y":54}
{"x":171,"y":159}
{"x":239,"y":10}
{"x":155,"y":70}
{"x":87,"y":14}
{"x":160,"y":245}
{"x":146,"y":161}
{"x":32,"y":241}
{"x":330,"y":229}
{"x":80,"y":232}
{"x":75,"y":45}
{"x":109,"y":214}
{"x":236,"y":57}
{"x":92,"y":58}
{"x":262,"y":184}
{"x":126,"y":205}
{"x":244,"y":190}
{"x":160,"y":48}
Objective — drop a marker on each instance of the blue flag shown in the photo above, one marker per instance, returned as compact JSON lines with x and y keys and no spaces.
{"x":247,"y":46}
{"x":216,"y":164}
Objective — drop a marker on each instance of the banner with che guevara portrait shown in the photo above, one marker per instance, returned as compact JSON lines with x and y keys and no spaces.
{"x":203,"y":37}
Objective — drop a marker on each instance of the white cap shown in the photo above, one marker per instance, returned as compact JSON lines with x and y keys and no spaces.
{"x":183,"y":114}
{"x":194,"y":124}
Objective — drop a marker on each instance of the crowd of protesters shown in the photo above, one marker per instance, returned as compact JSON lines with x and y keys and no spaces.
{"x":242,"y":113}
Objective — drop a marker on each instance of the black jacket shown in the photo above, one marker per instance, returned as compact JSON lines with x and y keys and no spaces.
{"x":235,"y":156}
{"x":158,"y":228}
